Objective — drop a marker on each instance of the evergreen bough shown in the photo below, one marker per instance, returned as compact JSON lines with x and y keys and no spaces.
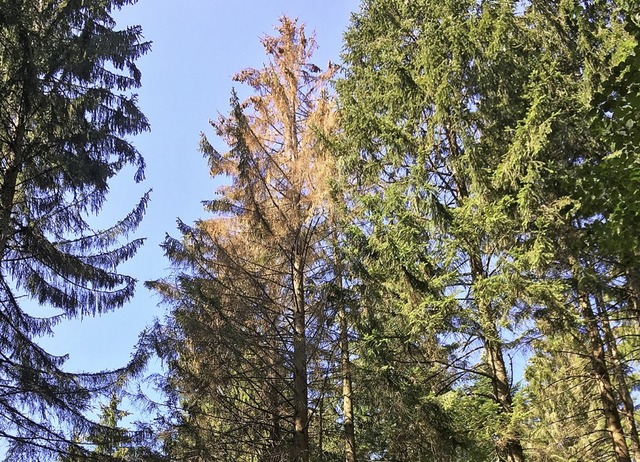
{"x":66,"y":111}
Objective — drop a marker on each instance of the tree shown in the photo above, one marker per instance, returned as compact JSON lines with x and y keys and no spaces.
{"x":109,"y":445}
{"x":587,"y":41}
{"x":471,"y":144}
{"x":65,"y":114}
{"x":430,"y":89}
{"x":247,"y":296}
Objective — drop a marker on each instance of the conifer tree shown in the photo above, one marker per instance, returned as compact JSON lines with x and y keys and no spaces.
{"x":557,"y":202}
{"x":470,"y":169}
{"x":66,"y":111}
{"x":248,"y":301}
{"x":426,"y":103}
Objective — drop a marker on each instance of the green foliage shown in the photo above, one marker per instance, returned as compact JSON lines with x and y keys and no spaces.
{"x":428,"y":123}
{"x":65,"y":114}
{"x":113,"y":443}
{"x":474,"y":179}
{"x":564,"y":421}
{"x":608,"y":190}
{"x":489,"y":191}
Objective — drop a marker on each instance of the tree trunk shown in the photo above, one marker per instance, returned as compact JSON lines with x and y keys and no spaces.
{"x":509,"y":448}
{"x":301,"y":413}
{"x":605,"y":388}
{"x":321,"y":429}
{"x":12,"y":168}
{"x":347,"y":390}
{"x":633,"y":286}
{"x":13,"y":160}
{"x":7,"y":202}
{"x":275,"y":432}
{"x":619,"y":375}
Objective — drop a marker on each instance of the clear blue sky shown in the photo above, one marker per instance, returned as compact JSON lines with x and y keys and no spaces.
{"x":197,"y":46}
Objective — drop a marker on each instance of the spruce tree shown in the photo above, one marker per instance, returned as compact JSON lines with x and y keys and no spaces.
{"x":563,"y":200}
{"x":66,"y":112}
{"x":248,"y":312}
{"x":430,"y":90}
{"x":471,"y":170}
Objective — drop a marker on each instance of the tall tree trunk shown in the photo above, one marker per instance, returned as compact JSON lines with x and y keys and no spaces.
{"x":633,"y":286}
{"x":510,"y":449}
{"x":345,"y":363}
{"x":271,"y":387}
{"x":7,"y":202}
{"x":321,"y":429}
{"x":619,"y":375}
{"x":8,"y":187}
{"x":347,"y":390}
{"x":14,"y":157}
{"x":301,"y":413}
{"x":603,"y":381}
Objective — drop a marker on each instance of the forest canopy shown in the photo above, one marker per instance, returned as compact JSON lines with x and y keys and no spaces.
{"x":428,"y":252}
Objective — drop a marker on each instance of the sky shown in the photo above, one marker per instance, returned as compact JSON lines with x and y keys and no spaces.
{"x":198,"y":45}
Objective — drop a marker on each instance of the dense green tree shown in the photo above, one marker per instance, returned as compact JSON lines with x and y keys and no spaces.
{"x":114,"y":443}
{"x":487,"y":226}
{"x":430,"y":90}
{"x":66,"y":111}
{"x":608,"y":190}
{"x":563,"y":200}
{"x":111,"y":442}
{"x":564,"y":418}
{"x":469,"y":147}
{"x":608,"y":194}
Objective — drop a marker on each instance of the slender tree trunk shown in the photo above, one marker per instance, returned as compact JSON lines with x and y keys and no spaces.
{"x":603,"y":381}
{"x":275,"y":432}
{"x":510,"y":448}
{"x":301,"y":413}
{"x":619,"y":375}
{"x":13,"y":159}
{"x":345,"y":366}
{"x":10,"y":174}
{"x":633,"y":285}
{"x":7,"y":196}
{"x":502,"y":389}
{"x":347,"y":390}
{"x":321,"y":429}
